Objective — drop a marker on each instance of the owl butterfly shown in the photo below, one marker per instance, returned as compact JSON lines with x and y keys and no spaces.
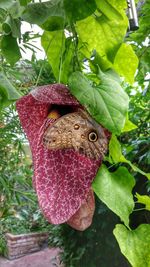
{"x":79,"y":131}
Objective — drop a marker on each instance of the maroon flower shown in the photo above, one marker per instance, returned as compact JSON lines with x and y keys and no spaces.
{"x":62,"y":178}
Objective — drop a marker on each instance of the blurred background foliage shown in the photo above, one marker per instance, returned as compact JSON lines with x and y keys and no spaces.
{"x":19,"y":210}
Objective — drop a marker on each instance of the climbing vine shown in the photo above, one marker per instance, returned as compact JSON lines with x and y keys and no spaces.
{"x":89,"y":48}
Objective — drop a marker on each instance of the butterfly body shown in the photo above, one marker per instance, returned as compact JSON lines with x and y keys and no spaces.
{"x":79,"y":131}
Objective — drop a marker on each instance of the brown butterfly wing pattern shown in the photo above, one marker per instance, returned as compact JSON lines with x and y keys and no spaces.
{"x":79,"y":131}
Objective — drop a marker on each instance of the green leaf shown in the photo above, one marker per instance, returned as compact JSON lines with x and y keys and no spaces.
{"x":115,"y":152}
{"x":103,"y":33}
{"x":112,"y":9}
{"x":24,"y":2}
{"x":116,"y":156}
{"x":107,"y":102}
{"x":129,"y":126}
{"x":16,"y":10}
{"x":136,"y":169}
{"x":3,"y":15}
{"x":6,"y":4}
{"x":59,"y":54}
{"x":77,"y":9}
{"x":10,"y":49}
{"x":143,"y":199}
{"x":112,"y":75}
{"x":53,"y":23}
{"x":100,"y":61}
{"x":67,"y":61}
{"x":134,"y":245}
{"x":48,"y":14}
{"x":11,"y":25}
{"x":6,"y":26}
{"x":126,"y":62}
{"x":52,"y":43}
{"x":8,"y":93}
{"x":13,"y":7}
{"x":115,"y":190}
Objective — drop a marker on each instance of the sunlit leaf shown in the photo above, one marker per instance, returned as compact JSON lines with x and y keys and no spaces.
{"x":115,"y":152}
{"x":129,"y":126}
{"x":115,"y":190}
{"x":116,"y":156}
{"x":104,"y":33}
{"x":100,"y":100}
{"x":143,"y":199}
{"x":58,"y":54}
{"x":135,"y":244}
{"x":112,"y":8}
{"x":126,"y":62}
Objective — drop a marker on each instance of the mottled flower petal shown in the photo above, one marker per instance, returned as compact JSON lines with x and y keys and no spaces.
{"x":62,"y":178}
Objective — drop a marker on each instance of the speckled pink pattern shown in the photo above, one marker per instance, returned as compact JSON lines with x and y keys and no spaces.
{"x":62,"y":178}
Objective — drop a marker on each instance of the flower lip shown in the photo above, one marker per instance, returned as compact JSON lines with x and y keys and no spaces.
{"x":62,"y":179}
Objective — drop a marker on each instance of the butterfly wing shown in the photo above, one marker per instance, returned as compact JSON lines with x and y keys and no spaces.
{"x":79,"y":131}
{"x":59,"y":135}
{"x":94,"y":142}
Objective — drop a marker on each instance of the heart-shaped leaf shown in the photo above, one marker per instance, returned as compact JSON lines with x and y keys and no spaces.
{"x":107,"y":102}
{"x":115,"y":190}
{"x":134,"y":245}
